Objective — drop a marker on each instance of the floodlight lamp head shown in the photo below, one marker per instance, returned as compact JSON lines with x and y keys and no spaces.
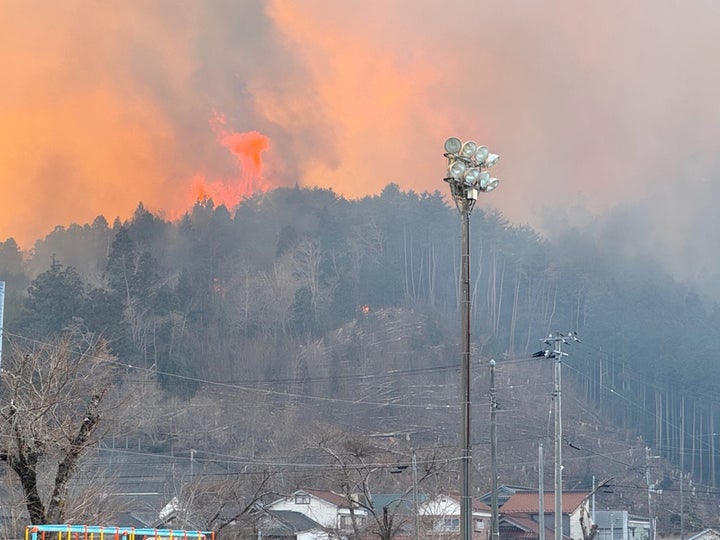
{"x":481,"y":154}
{"x":457,"y":169}
{"x":472,"y":176}
{"x":491,"y":160}
{"x":468,"y":149}
{"x":453,"y":145}
{"x":490,"y":185}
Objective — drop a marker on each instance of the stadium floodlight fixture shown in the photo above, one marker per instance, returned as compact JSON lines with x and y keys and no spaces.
{"x":467,"y":169}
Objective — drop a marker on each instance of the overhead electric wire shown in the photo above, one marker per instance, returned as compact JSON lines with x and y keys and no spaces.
{"x":296,"y":395}
{"x":389,"y":375}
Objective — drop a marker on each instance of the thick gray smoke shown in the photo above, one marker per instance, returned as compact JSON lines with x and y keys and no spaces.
{"x":605,"y":114}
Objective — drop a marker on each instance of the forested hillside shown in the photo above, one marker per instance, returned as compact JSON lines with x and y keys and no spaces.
{"x":300,"y":308}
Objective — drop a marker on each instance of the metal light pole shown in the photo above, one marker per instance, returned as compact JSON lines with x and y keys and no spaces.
{"x":466,"y":175}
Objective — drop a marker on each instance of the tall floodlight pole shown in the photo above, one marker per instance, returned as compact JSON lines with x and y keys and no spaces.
{"x":556,"y":340}
{"x":466,"y":175}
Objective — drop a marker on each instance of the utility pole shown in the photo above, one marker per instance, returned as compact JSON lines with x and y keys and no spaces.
{"x":558,"y":442}
{"x":682,"y":468}
{"x":541,"y":492}
{"x":493,"y":454}
{"x":415,"y":496}
{"x":650,"y":489}
{"x":557,"y":340}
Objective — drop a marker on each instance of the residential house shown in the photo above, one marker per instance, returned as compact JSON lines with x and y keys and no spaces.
{"x":519,"y":516}
{"x":331,"y":510}
{"x":440,"y":517}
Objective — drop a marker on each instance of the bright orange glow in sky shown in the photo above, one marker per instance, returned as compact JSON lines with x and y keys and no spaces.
{"x":591,"y":107}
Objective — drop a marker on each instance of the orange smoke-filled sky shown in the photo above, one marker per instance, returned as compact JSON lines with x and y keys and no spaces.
{"x":596,"y":108}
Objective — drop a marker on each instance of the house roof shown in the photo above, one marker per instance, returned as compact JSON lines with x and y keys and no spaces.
{"x":504,"y":492}
{"x":397,"y":502}
{"x":288,"y":523}
{"x":523,"y":527}
{"x":528,"y":503}
{"x":330,"y":496}
{"x":393,"y":501}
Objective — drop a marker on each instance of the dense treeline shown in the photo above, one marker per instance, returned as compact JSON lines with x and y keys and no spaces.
{"x":295,"y":284}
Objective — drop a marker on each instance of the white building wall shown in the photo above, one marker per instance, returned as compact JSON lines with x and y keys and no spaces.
{"x":440,"y":506}
{"x":318,"y":509}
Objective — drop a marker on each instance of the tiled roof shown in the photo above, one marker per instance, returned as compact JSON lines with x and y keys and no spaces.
{"x":524,"y":523}
{"x":480,"y":506}
{"x":519,"y":526}
{"x":329,"y":496}
{"x":528,"y":503}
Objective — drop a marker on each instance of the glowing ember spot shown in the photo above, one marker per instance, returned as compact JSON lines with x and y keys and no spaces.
{"x":247,"y":149}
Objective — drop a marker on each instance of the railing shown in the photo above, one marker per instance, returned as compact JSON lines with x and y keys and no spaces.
{"x":95,"y":532}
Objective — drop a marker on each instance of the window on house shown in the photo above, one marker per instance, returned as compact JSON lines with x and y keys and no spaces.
{"x":479,"y":524}
{"x":451,"y":524}
{"x":302,"y":498}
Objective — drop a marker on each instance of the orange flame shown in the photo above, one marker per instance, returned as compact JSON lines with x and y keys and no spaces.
{"x":247,"y":149}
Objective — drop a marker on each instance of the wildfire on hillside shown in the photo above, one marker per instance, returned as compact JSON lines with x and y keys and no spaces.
{"x":247,"y":149}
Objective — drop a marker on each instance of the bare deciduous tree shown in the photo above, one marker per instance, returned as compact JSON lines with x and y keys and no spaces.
{"x":55,"y":398}
{"x":357,"y":462}
{"x":227,"y":504}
